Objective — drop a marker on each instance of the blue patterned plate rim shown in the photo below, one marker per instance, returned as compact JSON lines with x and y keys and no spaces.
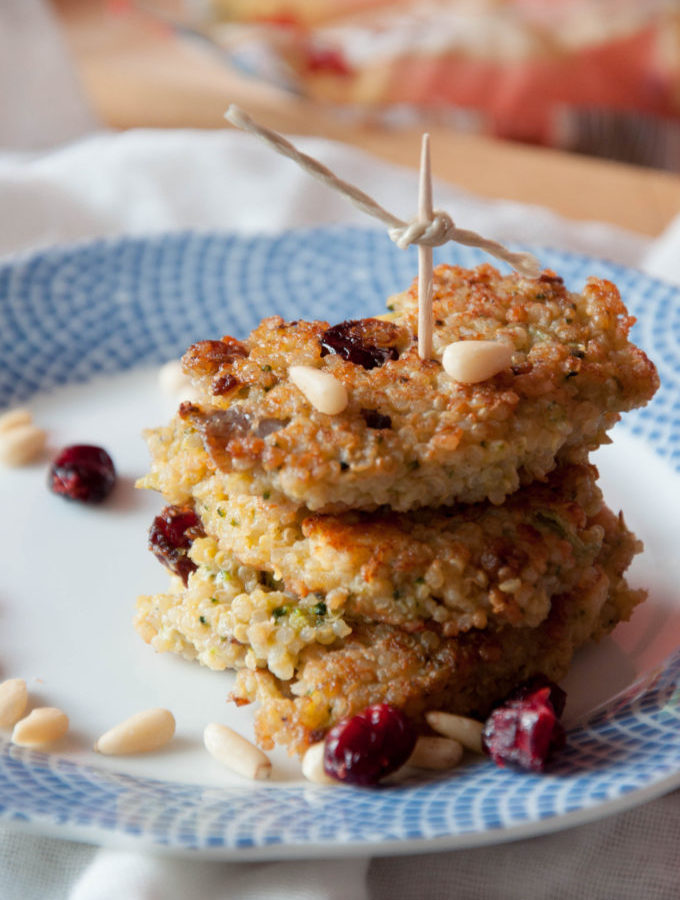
{"x":623,"y":754}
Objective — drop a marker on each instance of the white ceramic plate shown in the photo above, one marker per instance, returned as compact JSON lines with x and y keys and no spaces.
{"x":82,"y":331}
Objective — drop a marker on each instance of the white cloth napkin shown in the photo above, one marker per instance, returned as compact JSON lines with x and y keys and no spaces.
{"x":140,"y":182}
{"x":143,"y":182}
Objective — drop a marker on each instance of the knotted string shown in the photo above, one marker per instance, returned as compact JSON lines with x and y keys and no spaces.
{"x":433,"y":233}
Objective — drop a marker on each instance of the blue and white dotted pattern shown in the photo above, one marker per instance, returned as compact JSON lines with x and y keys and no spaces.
{"x":633,"y":744}
{"x":68,"y":314}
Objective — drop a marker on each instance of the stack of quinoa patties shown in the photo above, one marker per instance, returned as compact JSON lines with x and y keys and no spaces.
{"x":433,"y":544}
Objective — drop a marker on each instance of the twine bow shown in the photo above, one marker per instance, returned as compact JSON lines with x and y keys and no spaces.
{"x":433,"y":232}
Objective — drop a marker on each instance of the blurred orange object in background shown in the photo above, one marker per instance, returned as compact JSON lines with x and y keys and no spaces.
{"x":597,"y":76}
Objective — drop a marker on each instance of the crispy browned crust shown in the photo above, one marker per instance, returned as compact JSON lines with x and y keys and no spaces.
{"x":465,"y":567}
{"x":573,"y":372}
{"x":546,"y":531}
{"x":422,"y":671}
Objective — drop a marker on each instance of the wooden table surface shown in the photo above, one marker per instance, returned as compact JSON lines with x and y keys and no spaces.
{"x":137,"y":73}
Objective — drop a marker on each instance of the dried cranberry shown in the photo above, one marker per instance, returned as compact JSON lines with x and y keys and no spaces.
{"x":82,"y":472}
{"x":524,"y":731}
{"x":170,"y":537}
{"x":349,"y":340}
{"x":369,"y":746}
{"x":557,"y":696}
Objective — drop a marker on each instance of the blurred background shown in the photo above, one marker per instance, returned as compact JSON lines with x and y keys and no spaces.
{"x":599,"y":77}
{"x":594,"y":76}
{"x":569,"y":104}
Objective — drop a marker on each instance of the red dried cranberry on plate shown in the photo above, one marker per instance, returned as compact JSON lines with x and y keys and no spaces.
{"x":369,"y":746}
{"x":82,"y":472}
{"x":524,"y":730}
{"x":558,"y":697}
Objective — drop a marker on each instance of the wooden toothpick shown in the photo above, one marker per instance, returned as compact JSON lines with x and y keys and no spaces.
{"x":425,"y":214}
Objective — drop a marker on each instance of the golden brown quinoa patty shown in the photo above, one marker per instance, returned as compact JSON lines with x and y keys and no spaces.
{"x":331,"y":574}
{"x":464,"y":567}
{"x":310,"y":665}
{"x":412,"y":436}
{"x":422,"y":671}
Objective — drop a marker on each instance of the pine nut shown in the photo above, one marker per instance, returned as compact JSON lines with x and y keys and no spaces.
{"x":148,"y":730}
{"x":235,"y":752}
{"x":312,"y":765}
{"x":322,"y":389}
{"x":13,"y":700}
{"x":15,"y":417}
{"x":466,"y":731}
{"x":435,"y":753}
{"x":21,"y":444}
{"x":174,"y":382}
{"x":473,"y":361}
{"x":42,"y":726}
